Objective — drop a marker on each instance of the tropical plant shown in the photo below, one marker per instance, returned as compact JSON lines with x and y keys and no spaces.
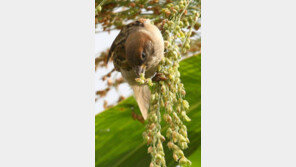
{"x":179,"y":24}
{"x":119,"y":140}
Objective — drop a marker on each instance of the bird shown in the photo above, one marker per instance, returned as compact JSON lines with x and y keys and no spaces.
{"x":138,"y":48}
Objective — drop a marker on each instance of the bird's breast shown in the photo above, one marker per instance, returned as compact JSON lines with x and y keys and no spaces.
{"x":130,"y":75}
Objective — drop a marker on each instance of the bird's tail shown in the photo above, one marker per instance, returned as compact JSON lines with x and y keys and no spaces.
{"x":142,"y":95}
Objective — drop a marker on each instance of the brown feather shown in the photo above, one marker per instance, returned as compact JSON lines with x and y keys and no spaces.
{"x":122,"y":36}
{"x":127,"y":51}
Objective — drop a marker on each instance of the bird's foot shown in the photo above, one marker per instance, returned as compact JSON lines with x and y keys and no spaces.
{"x":159,"y":77}
{"x":138,"y":117}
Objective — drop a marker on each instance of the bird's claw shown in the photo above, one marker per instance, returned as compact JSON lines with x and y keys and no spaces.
{"x":138,"y":117}
{"x":159,"y":77}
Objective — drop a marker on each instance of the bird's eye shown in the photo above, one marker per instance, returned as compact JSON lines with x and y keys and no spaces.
{"x":143,"y":55}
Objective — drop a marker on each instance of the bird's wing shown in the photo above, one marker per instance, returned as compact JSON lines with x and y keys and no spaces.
{"x":118,"y":42}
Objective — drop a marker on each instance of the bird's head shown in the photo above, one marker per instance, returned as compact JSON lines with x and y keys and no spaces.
{"x":140,"y":52}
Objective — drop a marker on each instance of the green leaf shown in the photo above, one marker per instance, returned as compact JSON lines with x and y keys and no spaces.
{"x":195,"y":158}
{"x":119,"y":141}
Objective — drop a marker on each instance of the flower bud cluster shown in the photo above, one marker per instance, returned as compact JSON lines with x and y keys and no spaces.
{"x":168,"y":95}
{"x":192,"y":20}
{"x":172,"y":90}
{"x":153,"y":135}
{"x":143,"y":80}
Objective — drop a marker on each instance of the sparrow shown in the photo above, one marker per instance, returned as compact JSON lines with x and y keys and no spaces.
{"x":138,"y":48}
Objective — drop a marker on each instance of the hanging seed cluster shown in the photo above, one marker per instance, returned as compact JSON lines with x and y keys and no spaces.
{"x":167,"y":96}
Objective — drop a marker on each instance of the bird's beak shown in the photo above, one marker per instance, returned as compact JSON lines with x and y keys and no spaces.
{"x":140,"y":69}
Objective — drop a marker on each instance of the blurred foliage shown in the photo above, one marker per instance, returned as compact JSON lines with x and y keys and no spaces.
{"x":119,"y":140}
{"x":114,"y":14}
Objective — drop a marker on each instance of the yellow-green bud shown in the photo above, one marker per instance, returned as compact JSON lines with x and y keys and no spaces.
{"x":140,"y":80}
{"x":99,"y":8}
{"x":159,"y":146}
{"x":153,"y":97}
{"x":185,"y":104}
{"x":180,"y":153}
{"x":149,"y":81}
{"x":169,"y":133}
{"x":184,"y":162}
{"x":187,"y":46}
{"x":176,"y":158}
{"x":150,"y":149}
{"x":181,"y":138}
{"x":184,"y":145}
{"x":166,"y":43}
{"x":183,"y":92}
{"x":158,"y":157}
{"x":163,"y":89}
{"x":170,"y":145}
